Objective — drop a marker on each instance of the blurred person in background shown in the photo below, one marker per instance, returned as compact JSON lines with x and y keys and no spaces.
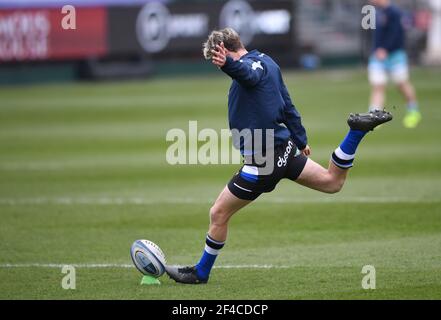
{"x":389,"y":58}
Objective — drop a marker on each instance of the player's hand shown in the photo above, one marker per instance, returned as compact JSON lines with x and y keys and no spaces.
{"x":307,"y":151}
{"x":219,"y":55}
{"x":381,"y":54}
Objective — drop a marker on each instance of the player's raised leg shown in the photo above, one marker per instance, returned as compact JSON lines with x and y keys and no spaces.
{"x":316,"y":177}
{"x":331,"y":180}
{"x":223,"y":209}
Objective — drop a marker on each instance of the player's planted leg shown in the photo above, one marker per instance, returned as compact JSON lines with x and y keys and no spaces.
{"x":225,"y":206}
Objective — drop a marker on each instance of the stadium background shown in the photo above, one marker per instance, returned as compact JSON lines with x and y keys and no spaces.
{"x":83,"y":119}
{"x":111,"y":43}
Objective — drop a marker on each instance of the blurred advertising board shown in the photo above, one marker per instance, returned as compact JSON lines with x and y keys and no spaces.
{"x":180,"y":28}
{"x":15,"y":4}
{"x":37,"y":34}
{"x":148,"y":29}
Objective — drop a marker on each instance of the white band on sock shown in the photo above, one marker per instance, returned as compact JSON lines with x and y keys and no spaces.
{"x":211,"y":251}
{"x":343,"y":166}
{"x":221,"y":243}
{"x":344,"y":156}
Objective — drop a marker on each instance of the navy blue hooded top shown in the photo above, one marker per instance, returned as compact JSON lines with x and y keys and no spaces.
{"x":389,"y":33}
{"x":259,"y":99}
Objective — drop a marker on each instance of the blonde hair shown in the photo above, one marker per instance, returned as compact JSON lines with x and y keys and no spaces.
{"x":228,"y":36}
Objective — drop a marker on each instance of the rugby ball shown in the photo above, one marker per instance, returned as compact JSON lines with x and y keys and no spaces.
{"x":148,"y":258}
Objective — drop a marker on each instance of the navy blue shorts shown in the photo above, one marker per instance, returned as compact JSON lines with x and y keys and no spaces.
{"x":249,"y":183}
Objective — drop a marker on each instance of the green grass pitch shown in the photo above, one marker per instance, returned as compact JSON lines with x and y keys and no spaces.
{"x":83,"y":175}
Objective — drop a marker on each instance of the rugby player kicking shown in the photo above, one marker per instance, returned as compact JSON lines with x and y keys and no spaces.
{"x":259,"y":100}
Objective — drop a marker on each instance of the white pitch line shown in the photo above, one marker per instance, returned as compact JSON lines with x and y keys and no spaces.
{"x":253,"y":266}
{"x":124,"y":266}
{"x":149,"y":201}
{"x":60,"y":265}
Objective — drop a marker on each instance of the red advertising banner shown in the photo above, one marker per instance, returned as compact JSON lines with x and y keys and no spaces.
{"x":37,"y":34}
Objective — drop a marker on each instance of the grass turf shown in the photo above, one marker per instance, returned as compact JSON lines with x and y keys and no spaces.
{"x":83,"y":174}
